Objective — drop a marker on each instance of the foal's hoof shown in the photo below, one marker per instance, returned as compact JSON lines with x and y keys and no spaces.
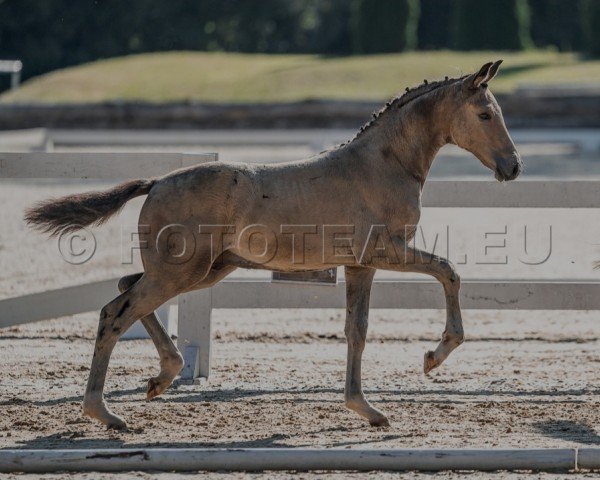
{"x":380,"y":422}
{"x":116,"y":424}
{"x":98,"y":410}
{"x":155,"y":388}
{"x":429,"y":362}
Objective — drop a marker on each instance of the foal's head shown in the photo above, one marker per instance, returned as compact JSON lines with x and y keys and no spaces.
{"x":477,"y":125}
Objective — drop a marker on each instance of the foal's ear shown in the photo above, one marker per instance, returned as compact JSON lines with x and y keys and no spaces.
{"x":493,"y":70}
{"x":475,"y":80}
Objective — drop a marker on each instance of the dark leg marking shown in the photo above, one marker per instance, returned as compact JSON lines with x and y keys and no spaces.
{"x":125,"y":305}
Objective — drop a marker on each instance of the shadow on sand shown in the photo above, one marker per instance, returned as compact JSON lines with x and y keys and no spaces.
{"x":67,"y":440}
{"x":399,"y":395}
{"x":569,"y":431}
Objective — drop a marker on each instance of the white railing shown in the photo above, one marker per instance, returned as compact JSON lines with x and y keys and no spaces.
{"x":194,"y":322}
{"x":91,"y":165}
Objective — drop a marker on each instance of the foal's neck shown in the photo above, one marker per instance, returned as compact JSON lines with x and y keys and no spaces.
{"x":410,"y":137}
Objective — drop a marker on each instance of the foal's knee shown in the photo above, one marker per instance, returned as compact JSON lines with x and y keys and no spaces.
{"x":449,"y":276}
{"x":356,"y":333}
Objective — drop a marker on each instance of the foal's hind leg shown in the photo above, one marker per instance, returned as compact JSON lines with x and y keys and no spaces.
{"x":358,"y":289}
{"x":171,"y":361}
{"x":116,"y":317}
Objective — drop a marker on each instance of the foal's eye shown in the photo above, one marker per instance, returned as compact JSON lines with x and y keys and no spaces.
{"x":485,"y":116}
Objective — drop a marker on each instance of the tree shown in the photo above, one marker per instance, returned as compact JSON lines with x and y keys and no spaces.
{"x":382,"y":26}
{"x":51,"y":34}
{"x":323,"y":27}
{"x":434,"y":24}
{"x":590,"y":10}
{"x":491,"y":24}
{"x":557,"y":23}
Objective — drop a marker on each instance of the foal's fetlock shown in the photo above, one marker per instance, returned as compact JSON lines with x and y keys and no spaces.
{"x":96,"y":408}
{"x":177,"y":363}
{"x":171,"y":364}
{"x":364,"y":409}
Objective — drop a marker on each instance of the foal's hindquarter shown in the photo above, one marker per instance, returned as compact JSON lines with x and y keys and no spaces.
{"x":355,"y":206}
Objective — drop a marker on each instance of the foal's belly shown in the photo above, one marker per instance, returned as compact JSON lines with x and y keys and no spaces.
{"x":306,"y":246}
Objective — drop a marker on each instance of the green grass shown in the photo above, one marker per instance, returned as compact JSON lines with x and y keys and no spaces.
{"x":230,"y":77}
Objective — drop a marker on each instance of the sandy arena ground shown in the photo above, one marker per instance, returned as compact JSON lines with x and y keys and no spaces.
{"x":278,"y":380}
{"x":522,"y":379}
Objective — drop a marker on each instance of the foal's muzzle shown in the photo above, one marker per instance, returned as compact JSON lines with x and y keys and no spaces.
{"x":508,"y":168}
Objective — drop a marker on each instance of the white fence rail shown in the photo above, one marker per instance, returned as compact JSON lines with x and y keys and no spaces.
{"x":194,"y":323}
{"x":524,"y":194}
{"x":109,"y":166}
{"x":261,"y":293}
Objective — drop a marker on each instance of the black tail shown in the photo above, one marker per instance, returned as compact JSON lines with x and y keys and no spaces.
{"x":70,"y":213}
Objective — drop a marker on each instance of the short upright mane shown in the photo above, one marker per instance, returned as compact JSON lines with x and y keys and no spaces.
{"x":405,"y":98}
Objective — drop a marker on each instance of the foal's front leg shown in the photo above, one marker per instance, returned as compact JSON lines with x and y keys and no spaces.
{"x":453,"y":334}
{"x":410,"y":259}
{"x":358,"y":290}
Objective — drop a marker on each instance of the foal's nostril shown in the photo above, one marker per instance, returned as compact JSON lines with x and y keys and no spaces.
{"x":515,"y":171}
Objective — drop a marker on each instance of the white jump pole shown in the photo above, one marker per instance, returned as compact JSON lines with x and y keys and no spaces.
{"x":588,"y":458}
{"x":258,"y":459}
